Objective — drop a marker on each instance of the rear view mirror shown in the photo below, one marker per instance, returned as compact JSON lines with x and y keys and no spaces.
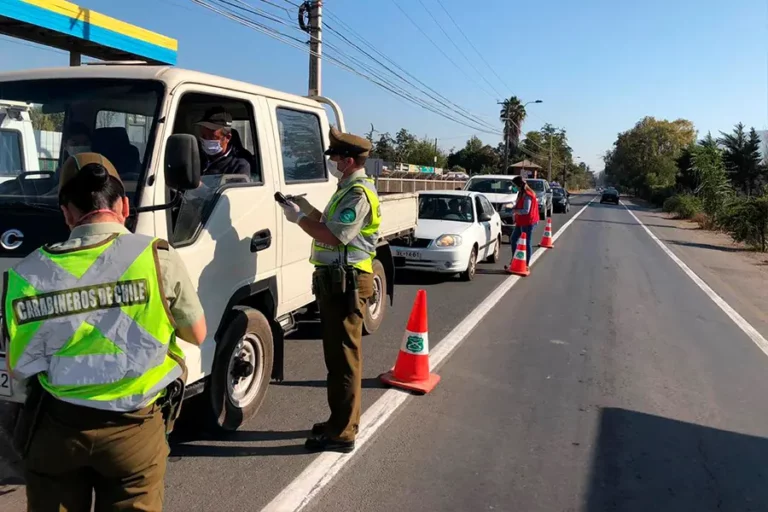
{"x":182,"y":162}
{"x":484,"y":217}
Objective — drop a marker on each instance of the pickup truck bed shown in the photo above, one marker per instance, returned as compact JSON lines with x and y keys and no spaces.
{"x":399,"y":213}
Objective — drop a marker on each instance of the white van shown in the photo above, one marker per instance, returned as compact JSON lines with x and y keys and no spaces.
{"x":250,"y":265}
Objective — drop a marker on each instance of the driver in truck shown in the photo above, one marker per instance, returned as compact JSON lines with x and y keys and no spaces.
{"x":343,"y":249}
{"x":216,"y":140}
{"x":91,"y":324}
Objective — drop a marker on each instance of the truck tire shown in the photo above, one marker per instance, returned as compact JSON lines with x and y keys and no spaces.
{"x":241,"y":369}
{"x":374,"y":314}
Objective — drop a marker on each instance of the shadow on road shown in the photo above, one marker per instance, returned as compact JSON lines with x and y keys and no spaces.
{"x":721,"y":248}
{"x":404,"y":277}
{"x":644,"y":462}
{"x":369,"y":383}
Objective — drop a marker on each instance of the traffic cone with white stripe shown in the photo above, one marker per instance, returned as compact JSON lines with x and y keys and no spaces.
{"x":519,"y":263}
{"x":411,"y":370}
{"x":546,"y":240}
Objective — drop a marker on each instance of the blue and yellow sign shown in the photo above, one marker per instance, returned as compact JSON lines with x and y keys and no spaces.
{"x":87,"y":26}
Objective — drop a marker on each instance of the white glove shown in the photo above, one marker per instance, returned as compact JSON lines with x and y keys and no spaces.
{"x":304,"y":205}
{"x":292,"y":212}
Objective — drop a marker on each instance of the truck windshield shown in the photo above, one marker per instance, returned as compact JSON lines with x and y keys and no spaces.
{"x":113,"y":117}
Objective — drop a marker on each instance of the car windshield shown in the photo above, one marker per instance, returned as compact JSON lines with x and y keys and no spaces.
{"x":50,"y":119}
{"x":558,"y":192}
{"x":492,"y":186}
{"x":537,"y":185}
{"x":438,"y":207}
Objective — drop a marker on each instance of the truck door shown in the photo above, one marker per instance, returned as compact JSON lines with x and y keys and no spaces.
{"x":213,"y":228}
{"x":301,"y":133}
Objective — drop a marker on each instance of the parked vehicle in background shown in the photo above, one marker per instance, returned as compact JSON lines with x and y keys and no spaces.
{"x":561,"y":202}
{"x":501,"y":192}
{"x":455,"y":230}
{"x":544,"y":196}
{"x":18,"y":150}
{"x":610,"y":195}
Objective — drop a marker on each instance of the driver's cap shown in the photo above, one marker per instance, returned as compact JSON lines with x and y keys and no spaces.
{"x":74,"y":163}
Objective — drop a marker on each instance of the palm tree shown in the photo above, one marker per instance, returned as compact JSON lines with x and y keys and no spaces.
{"x":512,"y":114}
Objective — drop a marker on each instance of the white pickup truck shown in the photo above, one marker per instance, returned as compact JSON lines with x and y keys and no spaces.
{"x":18,"y":150}
{"x":250,"y":265}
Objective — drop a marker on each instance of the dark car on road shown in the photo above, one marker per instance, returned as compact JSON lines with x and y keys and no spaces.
{"x":610,"y":195}
{"x":561,"y":202}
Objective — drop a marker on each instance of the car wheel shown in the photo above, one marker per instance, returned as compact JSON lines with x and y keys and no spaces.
{"x":493,"y":258}
{"x":373,"y":315}
{"x":469,"y":274}
{"x":241,"y":369}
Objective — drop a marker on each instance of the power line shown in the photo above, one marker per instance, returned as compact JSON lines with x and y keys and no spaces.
{"x":299,"y":44}
{"x":503,"y":82}
{"x":441,"y":50}
{"x":448,"y":36}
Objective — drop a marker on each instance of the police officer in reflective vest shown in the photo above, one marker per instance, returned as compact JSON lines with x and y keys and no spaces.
{"x":344,"y":237}
{"x":92,"y":325}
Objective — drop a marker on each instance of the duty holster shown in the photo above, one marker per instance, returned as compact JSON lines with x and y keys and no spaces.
{"x":170,"y":403}
{"x":337,"y":282}
{"x":29,"y":416}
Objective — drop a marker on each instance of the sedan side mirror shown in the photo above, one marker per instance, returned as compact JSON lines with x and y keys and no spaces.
{"x":484,"y":217}
{"x":182,"y":162}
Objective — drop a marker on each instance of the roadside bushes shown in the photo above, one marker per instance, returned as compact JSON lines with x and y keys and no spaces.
{"x":746,"y":220}
{"x":684,"y":206}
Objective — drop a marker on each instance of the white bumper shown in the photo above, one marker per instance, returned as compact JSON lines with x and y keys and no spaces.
{"x":433,"y":259}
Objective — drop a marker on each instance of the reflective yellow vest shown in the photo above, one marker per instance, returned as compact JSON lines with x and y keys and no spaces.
{"x":92,"y":323}
{"x":362,"y":249}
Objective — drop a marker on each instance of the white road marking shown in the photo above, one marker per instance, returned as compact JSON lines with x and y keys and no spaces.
{"x":299,"y":493}
{"x":739,"y":320}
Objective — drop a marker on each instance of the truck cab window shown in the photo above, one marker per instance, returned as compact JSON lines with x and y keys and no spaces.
{"x":302,"y":146}
{"x":226,"y":133}
{"x":11,"y":164}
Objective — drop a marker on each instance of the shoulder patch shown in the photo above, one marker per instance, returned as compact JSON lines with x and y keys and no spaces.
{"x":347,"y":216}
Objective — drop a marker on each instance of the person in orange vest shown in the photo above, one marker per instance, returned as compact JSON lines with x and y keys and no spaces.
{"x":526,"y":213}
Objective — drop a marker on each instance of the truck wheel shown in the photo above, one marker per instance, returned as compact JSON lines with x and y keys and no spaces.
{"x":241,"y":369}
{"x":373,"y":315}
{"x":493,"y":258}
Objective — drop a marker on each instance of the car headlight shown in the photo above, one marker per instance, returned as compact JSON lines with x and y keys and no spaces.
{"x":448,"y":241}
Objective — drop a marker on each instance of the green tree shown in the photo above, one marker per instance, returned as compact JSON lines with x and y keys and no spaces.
{"x":742,"y":158}
{"x":644,"y":158}
{"x":384,"y":148}
{"x":475,"y":157}
{"x":711,"y":178}
{"x":512,"y":115}
{"x":47,"y":122}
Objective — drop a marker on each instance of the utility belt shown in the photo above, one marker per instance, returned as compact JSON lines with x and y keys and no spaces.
{"x":39,"y":401}
{"x":337,"y":281}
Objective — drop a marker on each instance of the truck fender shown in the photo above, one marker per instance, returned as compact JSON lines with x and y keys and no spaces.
{"x":384,"y":255}
{"x":261,"y":295}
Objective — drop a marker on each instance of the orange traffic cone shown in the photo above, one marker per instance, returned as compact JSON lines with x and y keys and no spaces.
{"x":519,"y":263}
{"x":411,"y":370}
{"x":546,"y":240}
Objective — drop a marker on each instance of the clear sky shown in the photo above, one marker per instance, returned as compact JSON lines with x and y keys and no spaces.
{"x":598,"y":65}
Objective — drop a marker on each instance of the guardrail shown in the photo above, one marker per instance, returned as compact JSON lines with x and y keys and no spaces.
{"x":400,"y":185}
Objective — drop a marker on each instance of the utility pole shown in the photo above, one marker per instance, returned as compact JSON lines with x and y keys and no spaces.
{"x":549,"y":171}
{"x":315,"y":47}
{"x":435,"y":155}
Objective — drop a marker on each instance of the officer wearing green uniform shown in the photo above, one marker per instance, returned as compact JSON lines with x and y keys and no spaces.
{"x":91,"y":324}
{"x":344,"y":236}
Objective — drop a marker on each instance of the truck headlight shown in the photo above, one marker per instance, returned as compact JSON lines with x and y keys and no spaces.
{"x":448,"y":241}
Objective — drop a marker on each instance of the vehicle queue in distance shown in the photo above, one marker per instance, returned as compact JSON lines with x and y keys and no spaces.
{"x":459,"y":228}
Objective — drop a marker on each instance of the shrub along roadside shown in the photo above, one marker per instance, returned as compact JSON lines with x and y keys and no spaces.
{"x":684,"y":206}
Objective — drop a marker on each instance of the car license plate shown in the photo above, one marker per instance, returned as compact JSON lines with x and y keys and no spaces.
{"x":5,"y":384}
{"x":409,"y":255}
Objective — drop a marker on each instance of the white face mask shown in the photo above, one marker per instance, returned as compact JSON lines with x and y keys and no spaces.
{"x":211,"y":147}
{"x":76,"y":150}
{"x":334,"y":169}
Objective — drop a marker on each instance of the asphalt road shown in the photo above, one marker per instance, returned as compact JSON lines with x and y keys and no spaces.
{"x":248,"y":469}
{"x":605,"y":381}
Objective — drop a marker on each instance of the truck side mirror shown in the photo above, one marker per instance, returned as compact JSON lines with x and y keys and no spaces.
{"x":182,"y":162}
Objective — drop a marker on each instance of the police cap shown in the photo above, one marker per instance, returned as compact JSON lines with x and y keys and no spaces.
{"x":347,"y":145}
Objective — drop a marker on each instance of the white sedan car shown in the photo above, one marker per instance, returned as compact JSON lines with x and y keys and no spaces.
{"x":456,"y":229}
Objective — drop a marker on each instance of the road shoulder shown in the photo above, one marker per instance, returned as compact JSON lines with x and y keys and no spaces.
{"x":736,"y":273}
